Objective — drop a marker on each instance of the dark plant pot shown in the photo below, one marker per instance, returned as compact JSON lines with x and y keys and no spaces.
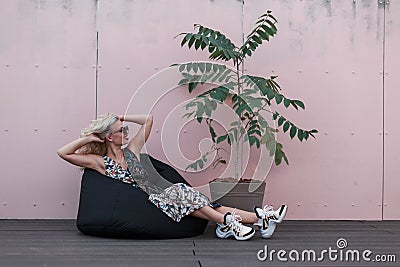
{"x":242,"y":195}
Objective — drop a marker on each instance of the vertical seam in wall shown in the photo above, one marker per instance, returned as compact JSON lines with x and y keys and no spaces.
{"x":97,"y":69}
{"x":97,"y":57}
{"x":383,"y":109}
{"x":242,"y":30}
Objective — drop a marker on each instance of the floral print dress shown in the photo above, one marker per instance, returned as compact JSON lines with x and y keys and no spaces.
{"x":176,"y":201}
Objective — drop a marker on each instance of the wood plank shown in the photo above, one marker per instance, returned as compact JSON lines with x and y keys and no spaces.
{"x":59,"y":243}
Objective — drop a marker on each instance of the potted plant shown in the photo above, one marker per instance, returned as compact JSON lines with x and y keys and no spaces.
{"x":251,"y":97}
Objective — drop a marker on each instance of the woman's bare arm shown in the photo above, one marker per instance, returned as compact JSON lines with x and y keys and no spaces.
{"x":68,"y":153}
{"x":138,"y":141}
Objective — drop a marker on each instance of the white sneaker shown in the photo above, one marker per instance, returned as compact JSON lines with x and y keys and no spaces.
{"x":233,"y":227}
{"x":268,"y":218}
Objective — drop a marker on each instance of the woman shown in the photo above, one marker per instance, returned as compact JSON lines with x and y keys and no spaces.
{"x":100,"y":148}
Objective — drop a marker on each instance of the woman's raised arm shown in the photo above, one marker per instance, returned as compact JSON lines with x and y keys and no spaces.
{"x":68,"y":153}
{"x":138,"y":141}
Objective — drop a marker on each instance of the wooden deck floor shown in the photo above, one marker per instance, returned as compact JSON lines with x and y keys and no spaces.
{"x":58,"y":243}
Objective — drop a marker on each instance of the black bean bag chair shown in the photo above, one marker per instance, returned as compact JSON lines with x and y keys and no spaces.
{"x":111,"y":208}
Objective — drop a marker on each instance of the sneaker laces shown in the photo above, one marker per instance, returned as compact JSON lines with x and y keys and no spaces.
{"x":236,"y":221}
{"x":268,"y":211}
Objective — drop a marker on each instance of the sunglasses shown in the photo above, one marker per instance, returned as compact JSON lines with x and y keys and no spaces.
{"x":123,"y":129}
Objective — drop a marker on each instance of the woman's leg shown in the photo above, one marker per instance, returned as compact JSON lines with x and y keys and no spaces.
{"x":209,"y":213}
{"x":227,"y":224}
{"x":247,"y":216}
{"x":217,"y":214}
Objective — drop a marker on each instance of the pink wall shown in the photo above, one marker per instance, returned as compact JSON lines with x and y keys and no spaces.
{"x":327,"y":53}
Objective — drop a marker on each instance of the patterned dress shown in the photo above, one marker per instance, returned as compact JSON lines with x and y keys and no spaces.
{"x":176,"y":201}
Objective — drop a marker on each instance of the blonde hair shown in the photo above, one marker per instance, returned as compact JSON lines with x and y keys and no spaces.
{"x":101,"y":127}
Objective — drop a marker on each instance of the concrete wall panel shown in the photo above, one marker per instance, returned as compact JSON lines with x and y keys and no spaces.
{"x":47,"y":95}
{"x":391,"y":176}
{"x":340,"y":57}
{"x":329,"y":54}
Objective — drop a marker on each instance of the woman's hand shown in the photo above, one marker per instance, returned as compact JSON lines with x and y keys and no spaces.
{"x":94,"y":138}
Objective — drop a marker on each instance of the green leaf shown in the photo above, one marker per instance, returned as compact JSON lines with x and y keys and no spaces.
{"x":281,"y":120}
{"x":224,"y":75}
{"x":181,"y":67}
{"x":313,"y":131}
{"x":262,"y":122}
{"x":286,"y":126}
{"x":212,"y":133}
{"x":213,"y":104}
{"x":204,"y":78}
{"x":275,"y":116}
{"x":183,"y":82}
{"x":264,"y":139}
{"x":240,"y":109}
{"x":199,"y":112}
{"x":201,"y":163}
{"x":252,"y":45}
{"x":207,"y":110}
{"x":294,"y":105}
{"x":202,"y":66}
{"x":215,"y":67}
{"x":286,"y":102}
{"x":268,"y":30}
{"x":190,"y":104}
{"x":216,"y":96}
{"x":306,"y":135}
{"x":257,"y":39}
{"x":278,"y":98}
{"x":286,"y":159}
{"x":272,"y":26}
{"x":211,"y":48}
{"x":299,"y":103}
{"x":270,"y":144}
{"x":189,"y":67}
{"x":197,"y":44}
{"x":293,"y":131}
{"x":195,"y":67}
{"x":217,"y":76}
{"x":254,"y":140}
{"x":188,"y":114}
{"x":257,"y":142}
{"x":279,"y":154}
{"x":186,"y":38}
{"x":254,"y":131}
{"x":230,"y":138}
{"x":263,"y":34}
{"x":221,"y":138}
{"x":191,"y":166}
{"x":208,"y":103}
{"x":204,"y":39}
{"x":192,"y":86}
{"x":208,"y":67}
{"x":300,"y":134}
{"x":191,"y":41}
{"x":263,"y":30}
{"x":187,"y":75}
